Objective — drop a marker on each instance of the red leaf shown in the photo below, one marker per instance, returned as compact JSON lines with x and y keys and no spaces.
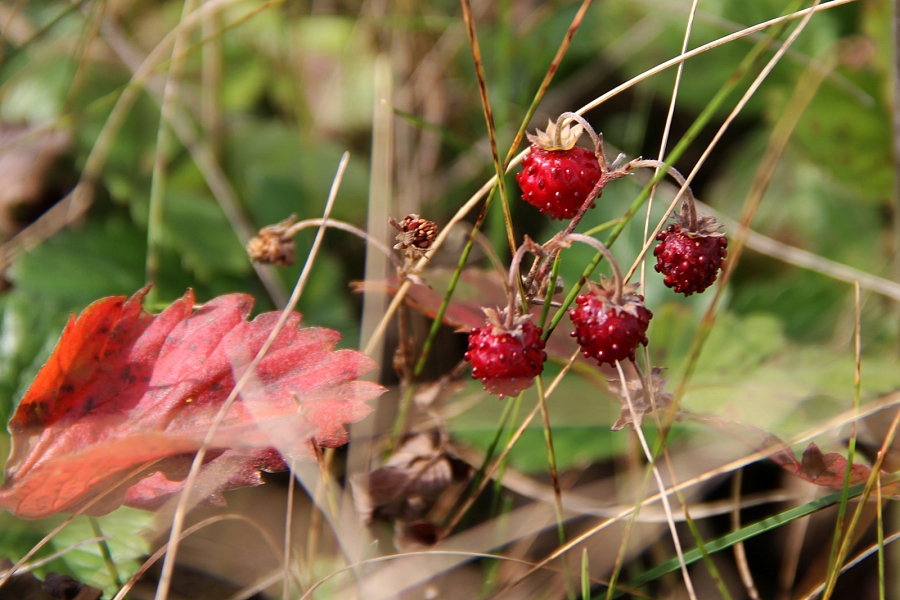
{"x":826,"y":470}
{"x":126,"y":399}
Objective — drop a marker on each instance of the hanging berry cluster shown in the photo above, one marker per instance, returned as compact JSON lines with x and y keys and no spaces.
{"x":610,"y":320}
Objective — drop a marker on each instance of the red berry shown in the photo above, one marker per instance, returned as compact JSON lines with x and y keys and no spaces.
{"x":557,"y":176}
{"x":558,"y":182}
{"x":608,"y":331}
{"x":506,"y":361}
{"x":690,"y":261}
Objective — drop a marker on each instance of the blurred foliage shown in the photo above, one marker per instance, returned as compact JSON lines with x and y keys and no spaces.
{"x":296,"y":90}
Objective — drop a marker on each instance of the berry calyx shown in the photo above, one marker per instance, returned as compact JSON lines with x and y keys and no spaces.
{"x":609,"y":328}
{"x":558,"y":176}
{"x":506,"y":360}
{"x":690,"y":257}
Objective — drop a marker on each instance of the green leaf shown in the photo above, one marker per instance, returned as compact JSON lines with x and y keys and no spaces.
{"x":77,"y":266}
{"x":129,"y":530}
{"x":197,"y":229}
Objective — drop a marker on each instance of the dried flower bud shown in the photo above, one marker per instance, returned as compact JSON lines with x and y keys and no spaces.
{"x":640,"y":399}
{"x":273,"y":245}
{"x":416,"y":233}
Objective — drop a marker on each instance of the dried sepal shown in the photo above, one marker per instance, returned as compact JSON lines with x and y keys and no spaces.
{"x":707,"y":225}
{"x":557,"y":138}
{"x":497,"y":320}
{"x":605,"y":291}
{"x":640,"y":399}
{"x":274,"y":244}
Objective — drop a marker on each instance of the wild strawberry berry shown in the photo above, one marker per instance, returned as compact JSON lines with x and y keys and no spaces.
{"x":506,"y":360}
{"x":557,"y":176}
{"x":690,"y":260}
{"x":606,"y":329}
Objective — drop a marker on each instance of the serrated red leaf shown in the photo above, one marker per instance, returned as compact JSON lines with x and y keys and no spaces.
{"x":126,"y":399}
{"x":828,"y":470}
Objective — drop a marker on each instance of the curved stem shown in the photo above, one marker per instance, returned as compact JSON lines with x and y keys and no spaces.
{"x":600,"y":247}
{"x":597,"y":139}
{"x":512,"y":288}
{"x":689,"y":202}
{"x":301,"y":225}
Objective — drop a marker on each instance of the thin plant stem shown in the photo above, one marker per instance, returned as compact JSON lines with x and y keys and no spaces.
{"x":879,"y":506}
{"x":803,"y":94}
{"x":856,"y":560}
{"x":499,"y":168}
{"x":668,"y":127}
{"x":551,"y":460}
{"x":833,"y":564}
{"x":585,"y":576}
{"x":29,"y":567}
{"x":662,"y":486}
{"x":453,"y":521}
{"x":873,"y":479}
{"x":420,"y":553}
{"x":187,"y":532}
{"x":551,"y":288}
{"x":37,"y":35}
{"x":164,"y":139}
{"x":105,"y":552}
{"x":548,"y":76}
{"x":288,"y":528}
{"x":473,"y":200}
{"x":895,"y":113}
{"x":834,"y":423}
{"x":482,"y":475}
{"x":661,"y":447}
{"x":165,"y":578}
{"x":498,"y":481}
{"x":335,"y":224}
{"x":87,"y":505}
{"x":740,"y":554}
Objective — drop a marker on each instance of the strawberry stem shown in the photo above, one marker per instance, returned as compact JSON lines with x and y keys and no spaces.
{"x":600,"y":247}
{"x":540,"y":274}
{"x":512,"y":288}
{"x":597,"y":139}
{"x":288,"y":228}
{"x":688,"y":203}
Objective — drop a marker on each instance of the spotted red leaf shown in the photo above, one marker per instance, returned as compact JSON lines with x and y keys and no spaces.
{"x":126,"y":398}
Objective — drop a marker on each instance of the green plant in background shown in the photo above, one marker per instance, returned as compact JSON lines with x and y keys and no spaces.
{"x":193,"y":125}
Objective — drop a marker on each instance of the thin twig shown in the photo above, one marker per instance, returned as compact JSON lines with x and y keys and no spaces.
{"x":662,"y":486}
{"x":740,"y":555}
{"x":165,"y":578}
{"x":667,"y":128}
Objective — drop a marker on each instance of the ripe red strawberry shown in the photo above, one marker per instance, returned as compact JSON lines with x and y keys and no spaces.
{"x":690,"y":258}
{"x":606,"y":329}
{"x":558,"y":176}
{"x":506,"y":360}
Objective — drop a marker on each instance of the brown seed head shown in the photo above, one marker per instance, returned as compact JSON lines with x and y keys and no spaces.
{"x":416,"y":233}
